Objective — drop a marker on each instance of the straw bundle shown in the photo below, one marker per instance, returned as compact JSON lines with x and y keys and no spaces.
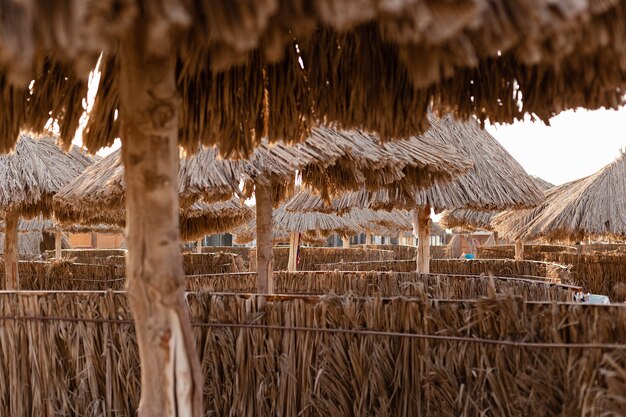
{"x":92,"y":367}
{"x":311,"y":258}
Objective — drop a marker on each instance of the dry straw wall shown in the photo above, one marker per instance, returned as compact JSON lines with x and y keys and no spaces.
{"x":500,"y":267}
{"x":311,"y":258}
{"x":598,"y":274}
{"x":357,"y":358}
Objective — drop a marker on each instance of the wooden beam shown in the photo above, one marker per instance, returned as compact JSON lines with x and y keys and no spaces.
{"x":264,"y":249}
{"x":519,"y":250}
{"x":171,"y":378}
{"x":11,"y":253}
{"x":294,"y":242}
{"x":57,"y":243}
{"x":421,"y":218}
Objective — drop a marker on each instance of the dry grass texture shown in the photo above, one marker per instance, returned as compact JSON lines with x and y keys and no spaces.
{"x":499,"y":267}
{"x":311,"y":258}
{"x":56,"y":368}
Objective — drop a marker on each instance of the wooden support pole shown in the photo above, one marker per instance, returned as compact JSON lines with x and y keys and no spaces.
{"x":264,"y":250}
{"x":345,"y":241}
{"x":519,"y":250}
{"x":495,"y":237}
{"x":199,"y":245}
{"x":368,"y":237}
{"x":57,"y":243}
{"x":171,"y":378}
{"x":11,"y":253}
{"x":294,"y":241}
{"x":421,"y":219}
{"x":94,"y":240}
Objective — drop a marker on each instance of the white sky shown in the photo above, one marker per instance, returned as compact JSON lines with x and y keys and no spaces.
{"x":576,"y":144}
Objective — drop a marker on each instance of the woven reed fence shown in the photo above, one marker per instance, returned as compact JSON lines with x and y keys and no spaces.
{"x":85,"y":255}
{"x":598,"y":274}
{"x":310,"y":258}
{"x":109,"y":273}
{"x":500,"y":267}
{"x":323,"y":356}
{"x":400,"y":252}
{"x":387,"y":284}
{"x":242,"y":251}
{"x":438,"y":252}
{"x":531,"y":252}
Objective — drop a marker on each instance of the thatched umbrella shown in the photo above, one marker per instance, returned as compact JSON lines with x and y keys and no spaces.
{"x":29,"y":178}
{"x":472,"y":220}
{"x":496,"y":181}
{"x":593,"y":206}
{"x":294,"y":225}
{"x":332,"y":161}
{"x":97,"y":196}
{"x":230,"y":73}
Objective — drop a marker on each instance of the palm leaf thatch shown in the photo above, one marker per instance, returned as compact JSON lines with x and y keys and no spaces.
{"x":590,"y":207}
{"x":246,"y":68}
{"x":467,"y":219}
{"x":496,"y":181}
{"x":202,"y":219}
{"x":41,"y":224}
{"x":34,"y":172}
{"x":472,"y":220}
{"x":312,"y":226}
{"x":97,"y":195}
{"x":28,"y":244}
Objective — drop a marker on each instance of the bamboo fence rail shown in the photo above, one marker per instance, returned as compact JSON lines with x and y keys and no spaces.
{"x":75,"y":354}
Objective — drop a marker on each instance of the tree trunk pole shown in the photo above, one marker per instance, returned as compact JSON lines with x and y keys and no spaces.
{"x":11,"y":254}
{"x":519,"y":250}
{"x":495,"y":237}
{"x":368,"y":237}
{"x":94,"y":240}
{"x":199,"y":245}
{"x":264,"y":249}
{"x":171,"y":378}
{"x":57,"y":243}
{"x":345,"y":242}
{"x":421,"y":219}
{"x":294,"y":241}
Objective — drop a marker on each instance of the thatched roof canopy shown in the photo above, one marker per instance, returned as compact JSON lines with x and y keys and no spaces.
{"x":470,"y":220}
{"x":204,"y":219}
{"x":332,"y":161}
{"x":496,"y":181}
{"x":395,"y":220}
{"x":312,"y":225}
{"x":282,"y":67}
{"x":97,"y":195}
{"x":41,"y":224}
{"x":594,"y":206}
{"x":34,"y":173}
{"x":467,"y":219}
